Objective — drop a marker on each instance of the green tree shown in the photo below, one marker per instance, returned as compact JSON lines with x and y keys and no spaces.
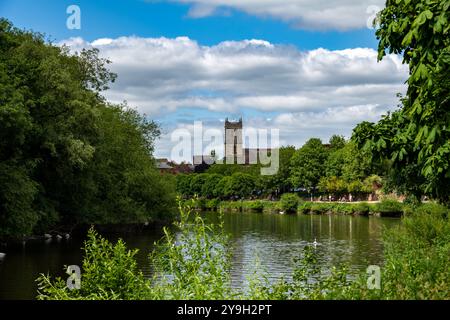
{"x":337,"y":142}
{"x":240,"y":185}
{"x":197,"y":182}
{"x":66,"y":155}
{"x":221,"y":189}
{"x":308,"y":164}
{"x":183,"y":184}
{"x":209,"y":186}
{"x":416,"y":138}
{"x":280,"y":181}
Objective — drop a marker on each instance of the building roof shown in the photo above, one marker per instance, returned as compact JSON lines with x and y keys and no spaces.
{"x":163,"y":165}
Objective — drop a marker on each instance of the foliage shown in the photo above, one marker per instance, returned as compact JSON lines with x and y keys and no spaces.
{"x":361,"y":208}
{"x":254,"y":205}
{"x":416,"y":138}
{"x":222,"y":189}
{"x":307,"y":164}
{"x":197,"y":182}
{"x":333,"y":185}
{"x":209,"y":185}
{"x":67,"y":156}
{"x":280,"y":181}
{"x":416,"y":260}
{"x":183,"y":184}
{"x":289,"y":202}
{"x":192,"y":262}
{"x":110,"y":272}
{"x":389,"y":206}
{"x":240,"y":185}
{"x":212,"y":204}
{"x":337,"y":142}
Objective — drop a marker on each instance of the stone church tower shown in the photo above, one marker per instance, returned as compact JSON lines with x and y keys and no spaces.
{"x":234,"y":152}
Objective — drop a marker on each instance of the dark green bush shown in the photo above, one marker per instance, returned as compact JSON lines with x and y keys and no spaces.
{"x":254,"y":205}
{"x":289,"y":202}
{"x":304,"y":207}
{"x":388,"y":207}
{"x":361,"y":208}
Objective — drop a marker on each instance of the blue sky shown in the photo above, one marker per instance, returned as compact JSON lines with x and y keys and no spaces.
{"x":305,"y":67}
{"x":115,"y":18}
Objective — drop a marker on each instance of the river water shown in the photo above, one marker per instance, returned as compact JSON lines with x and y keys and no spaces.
{"x":273,"y":240}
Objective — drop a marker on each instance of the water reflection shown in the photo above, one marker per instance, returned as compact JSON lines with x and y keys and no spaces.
{"x":274,"y":239}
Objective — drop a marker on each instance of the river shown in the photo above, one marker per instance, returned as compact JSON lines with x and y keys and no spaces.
{"x":274,"y":240}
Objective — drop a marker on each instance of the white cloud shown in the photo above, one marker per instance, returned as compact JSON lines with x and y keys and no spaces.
{"x":160,"y":74}
{"x":307,"y":14}
{"x":308,"y":93}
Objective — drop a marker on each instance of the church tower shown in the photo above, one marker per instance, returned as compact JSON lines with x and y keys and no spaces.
{"x":234,"y":152}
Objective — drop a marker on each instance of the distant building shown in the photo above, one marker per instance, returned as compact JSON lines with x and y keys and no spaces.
{"x":166,"y":166}
{"x":163,"y":165}
{"x":235,"y":153}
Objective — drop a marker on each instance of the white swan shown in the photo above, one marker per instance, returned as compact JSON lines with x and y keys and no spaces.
{"x":315,"y":243}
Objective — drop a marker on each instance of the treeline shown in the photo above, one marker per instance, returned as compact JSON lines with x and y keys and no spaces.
{"x":66,"y":155}
{"x":334,"y":170}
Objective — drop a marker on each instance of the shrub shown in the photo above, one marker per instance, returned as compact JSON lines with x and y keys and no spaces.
{"x":343,"y":208}
{"x":321,"y":208}
{"x":109,"y":272}
{"x":432,"y":209}
{"x":304,"y":207}
{"x":389,"y":207}
{"x":212,"y":204}
{"x":200,"y":203}
{"x":361,"y":208}
{"x":289,"y":202}
{"x":255,"y":205}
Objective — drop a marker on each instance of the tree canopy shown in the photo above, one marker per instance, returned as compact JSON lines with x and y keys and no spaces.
{"x":416,"y":137}
{"x":308,"y":164}
{"x":66,"y":155}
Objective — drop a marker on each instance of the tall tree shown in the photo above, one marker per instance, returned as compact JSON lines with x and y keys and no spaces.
{"x":308,"y":164}
{"x":66,"y":155}
{"x":416,"y":138}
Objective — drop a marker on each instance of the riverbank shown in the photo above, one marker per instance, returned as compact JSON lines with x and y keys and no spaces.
{"x":383,"y":208}
{"x":66,"y":232}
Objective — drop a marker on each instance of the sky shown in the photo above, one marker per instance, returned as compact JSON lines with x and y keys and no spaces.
{"x":305,"y":67}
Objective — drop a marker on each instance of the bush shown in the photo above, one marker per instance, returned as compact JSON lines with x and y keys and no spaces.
{"x":389,"y":207}
{"x":212,"y":204}
{"x":432,"y":209}
{"x":255,"y":205}
{"x":322,"y":208}
{"x":343,"y":208}
{"x":289,"y":202}
{"x":232,"y":205}
{"x":109,"y":272}
{"x":304,"y":207}
{"x":361,"y":208}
